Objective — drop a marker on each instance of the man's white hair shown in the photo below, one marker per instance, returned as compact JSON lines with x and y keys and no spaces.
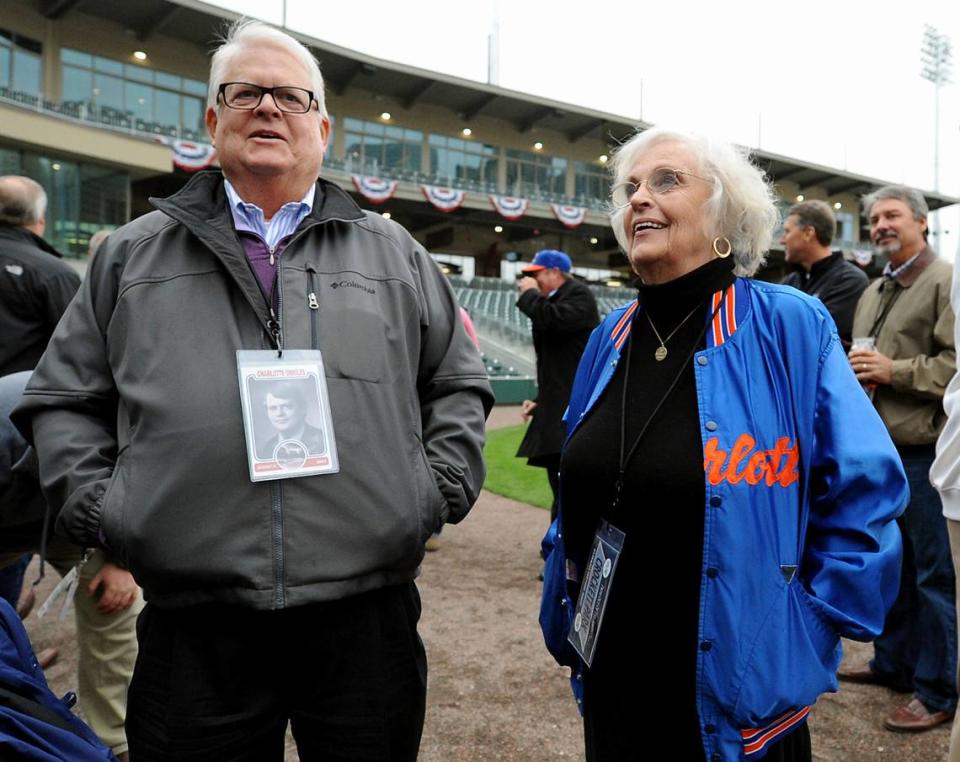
{"x":22,"y":201}
{"x":245,"y":33}
{"x":741,"y":208}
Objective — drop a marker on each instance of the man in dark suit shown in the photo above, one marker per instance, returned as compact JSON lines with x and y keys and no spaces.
{"x":563,"y":313}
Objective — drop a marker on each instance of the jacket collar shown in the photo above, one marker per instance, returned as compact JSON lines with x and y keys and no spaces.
{"x":821,"y":266}
{"x":728,"y":307}
{"x":922,"y":262}
{"x":561,"y":289}
{"x":203,"y":197}
{"x":201,"y":207}
{"x":14,"y":232}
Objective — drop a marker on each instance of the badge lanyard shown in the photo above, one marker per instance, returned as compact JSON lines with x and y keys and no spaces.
{"x":608,"y":540}
{"x":884,"y":309}
{"x":625,"y":457}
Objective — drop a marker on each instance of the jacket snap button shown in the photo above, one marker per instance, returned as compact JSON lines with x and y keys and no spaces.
{"x":710,"y":728}
{"x":713,"y":572}
{"x":716,"y":758}
{"x":716,"y":501}
{"x":711,"y":425}
{"x":706,"y":645}
{"x":702,"y":361}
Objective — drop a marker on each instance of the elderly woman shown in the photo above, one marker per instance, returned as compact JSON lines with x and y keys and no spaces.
{"x":728,"y":493}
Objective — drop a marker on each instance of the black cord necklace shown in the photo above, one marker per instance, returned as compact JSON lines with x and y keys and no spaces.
{"x":625,"y":455}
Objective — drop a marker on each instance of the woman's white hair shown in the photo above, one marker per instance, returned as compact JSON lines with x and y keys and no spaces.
{"x":244,"y":33}
{"x":742,"y":207}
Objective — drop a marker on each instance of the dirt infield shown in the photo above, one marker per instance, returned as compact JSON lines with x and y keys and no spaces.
{"x":494,"y":692}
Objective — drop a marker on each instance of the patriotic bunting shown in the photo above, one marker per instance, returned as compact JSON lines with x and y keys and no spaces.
{"x":510,"y":207}
{"x":444,"y":199}
{"x":188,"y":156}
{"x":570,"y":216}
{"x":375,"y":189}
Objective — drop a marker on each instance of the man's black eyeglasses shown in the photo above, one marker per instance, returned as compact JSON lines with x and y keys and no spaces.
{"x":244,"y":96}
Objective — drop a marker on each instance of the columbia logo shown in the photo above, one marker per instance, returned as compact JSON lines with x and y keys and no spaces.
{"x":352,"y":284}
{"x":14,"y":269}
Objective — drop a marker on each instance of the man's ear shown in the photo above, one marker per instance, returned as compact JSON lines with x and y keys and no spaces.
{"x":211,"y":121}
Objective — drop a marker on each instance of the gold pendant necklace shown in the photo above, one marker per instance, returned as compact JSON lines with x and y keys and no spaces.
{"x":661,"y":353}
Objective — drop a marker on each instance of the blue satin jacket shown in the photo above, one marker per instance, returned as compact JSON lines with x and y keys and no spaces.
{"x":803,"y":486}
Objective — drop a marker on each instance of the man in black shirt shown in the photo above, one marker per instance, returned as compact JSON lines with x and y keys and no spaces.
{"x":807,"y":233}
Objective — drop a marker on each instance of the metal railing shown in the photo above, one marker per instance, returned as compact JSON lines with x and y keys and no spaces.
{"x":88,"y":112}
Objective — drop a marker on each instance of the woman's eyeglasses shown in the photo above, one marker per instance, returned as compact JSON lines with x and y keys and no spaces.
{"x":659,"y":182}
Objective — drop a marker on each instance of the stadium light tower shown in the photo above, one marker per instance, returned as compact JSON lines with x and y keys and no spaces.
{"x":935,"y":56}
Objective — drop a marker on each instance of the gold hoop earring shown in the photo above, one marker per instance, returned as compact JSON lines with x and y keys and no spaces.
{"x":716,"y":249}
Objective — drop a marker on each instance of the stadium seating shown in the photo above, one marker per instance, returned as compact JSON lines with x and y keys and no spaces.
{"x":504,"y":331}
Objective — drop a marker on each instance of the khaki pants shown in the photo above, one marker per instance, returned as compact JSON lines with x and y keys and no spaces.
{"x":107,"y":646}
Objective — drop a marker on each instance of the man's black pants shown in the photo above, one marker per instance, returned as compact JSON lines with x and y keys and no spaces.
{"x":219,"y":682}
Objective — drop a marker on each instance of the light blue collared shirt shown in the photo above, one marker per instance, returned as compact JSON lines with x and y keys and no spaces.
{"x":249,"y":217}
{"x":892,"y":273}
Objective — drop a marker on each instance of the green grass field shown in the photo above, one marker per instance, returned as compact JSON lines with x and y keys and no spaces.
{"x":509,"y":475}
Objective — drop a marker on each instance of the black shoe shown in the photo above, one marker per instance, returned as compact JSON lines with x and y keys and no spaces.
{"x":864,"y":674}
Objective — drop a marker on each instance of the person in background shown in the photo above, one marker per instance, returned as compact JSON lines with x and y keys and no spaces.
{"x":721,"y":464}
{"x":945,"y":472}
{"x":562,"y":312}
{"x":96,"y":241}
{"x":807,"y":233}
{"x":36,"y":286}
{"x":469,"y":327}
{"x":106,"y":602}
{"x":906,"y":313}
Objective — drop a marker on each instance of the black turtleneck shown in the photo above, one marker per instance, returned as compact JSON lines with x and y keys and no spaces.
{"x":661,"y":512}
{"x":643,"y":679}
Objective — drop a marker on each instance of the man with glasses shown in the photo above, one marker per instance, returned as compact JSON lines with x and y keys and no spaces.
{"x":285,"y":597}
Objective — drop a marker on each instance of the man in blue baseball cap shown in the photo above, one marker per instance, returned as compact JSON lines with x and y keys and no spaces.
{"x":563,"y":313}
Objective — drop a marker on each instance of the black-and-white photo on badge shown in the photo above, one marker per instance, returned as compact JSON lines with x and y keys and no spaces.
{"x":286,"y":414}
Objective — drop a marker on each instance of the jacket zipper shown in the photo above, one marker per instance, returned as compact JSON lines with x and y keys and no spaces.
{"x":314,"y":306}
{"x":276,"y":487}
{"x":275,"y":324}
{"x":279,"y":588}
{"x":275,"y":321}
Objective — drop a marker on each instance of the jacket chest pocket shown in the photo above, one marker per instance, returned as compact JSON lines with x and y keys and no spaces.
{"x":352,"y":325}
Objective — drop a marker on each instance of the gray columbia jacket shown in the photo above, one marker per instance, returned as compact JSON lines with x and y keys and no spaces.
{"x":135,"y":410}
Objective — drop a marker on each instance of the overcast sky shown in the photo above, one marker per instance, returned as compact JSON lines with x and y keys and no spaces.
{"x":836,"y":83}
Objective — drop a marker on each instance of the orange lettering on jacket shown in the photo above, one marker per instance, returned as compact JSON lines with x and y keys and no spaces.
{"x":776,"y":466}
